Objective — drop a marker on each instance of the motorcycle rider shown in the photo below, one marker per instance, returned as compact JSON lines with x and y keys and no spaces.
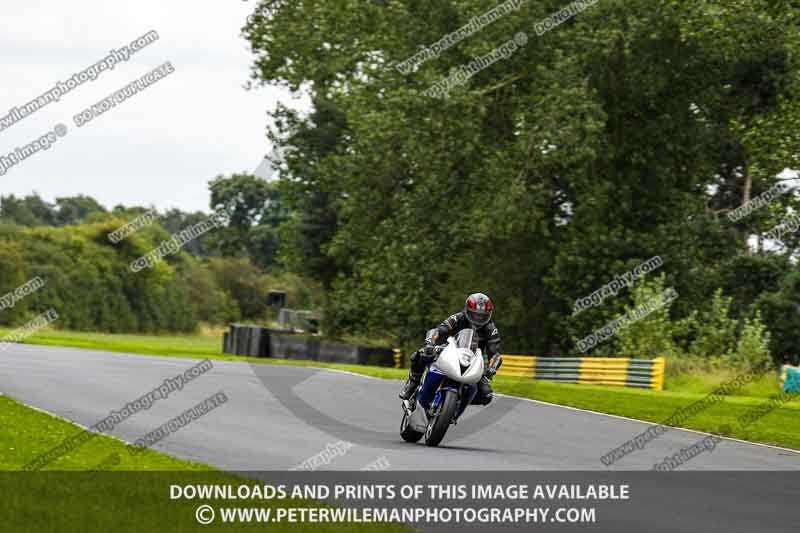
{"x":477,"y":314}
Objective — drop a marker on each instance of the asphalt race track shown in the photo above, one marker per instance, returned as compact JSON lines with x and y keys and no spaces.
{"x":278,"y":416}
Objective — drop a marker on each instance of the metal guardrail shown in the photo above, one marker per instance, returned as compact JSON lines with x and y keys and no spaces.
{"x":619,"y":371}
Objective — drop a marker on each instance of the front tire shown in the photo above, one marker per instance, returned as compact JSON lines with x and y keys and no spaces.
{"x":407,"y":432}
{"x":442,"y":419}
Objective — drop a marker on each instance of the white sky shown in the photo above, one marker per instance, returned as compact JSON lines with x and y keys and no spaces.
{"x":162,"y":146}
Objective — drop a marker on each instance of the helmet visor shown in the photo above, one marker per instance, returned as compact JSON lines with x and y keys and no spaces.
{"x":478,"y":318}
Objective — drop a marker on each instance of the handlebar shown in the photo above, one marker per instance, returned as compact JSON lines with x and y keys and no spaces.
{"x":436,"y":351}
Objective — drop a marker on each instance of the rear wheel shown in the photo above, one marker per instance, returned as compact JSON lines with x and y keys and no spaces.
{"x":438,"y":426}
{"x":407,"y":432}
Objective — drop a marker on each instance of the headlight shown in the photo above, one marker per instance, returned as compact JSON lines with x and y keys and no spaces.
{"x":465,"y":358}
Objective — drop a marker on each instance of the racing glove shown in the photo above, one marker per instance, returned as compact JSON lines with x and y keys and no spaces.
{"x":494,"y":365}
{"x":430,"y":352}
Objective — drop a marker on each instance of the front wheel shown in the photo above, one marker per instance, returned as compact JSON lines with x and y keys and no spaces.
{"x":407,"y":432}
{"x":438,"y":426}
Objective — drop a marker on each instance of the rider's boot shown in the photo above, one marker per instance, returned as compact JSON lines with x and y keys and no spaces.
{"x":414,"y":377}
{"x":485,"y":393}
{"x":411,"y":385}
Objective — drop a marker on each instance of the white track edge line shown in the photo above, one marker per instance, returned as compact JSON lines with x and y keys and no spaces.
{"x":620,"y":417}
{"x":688,"y":430}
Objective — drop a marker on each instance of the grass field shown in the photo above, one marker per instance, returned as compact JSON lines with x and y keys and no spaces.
{"x":780,"y":427}
{"x":100,"y":487}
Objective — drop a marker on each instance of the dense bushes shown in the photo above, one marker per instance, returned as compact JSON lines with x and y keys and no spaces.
{"x":88,"y":281}
{"x":709,"y":334}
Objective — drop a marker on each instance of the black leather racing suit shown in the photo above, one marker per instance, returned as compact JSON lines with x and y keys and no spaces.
{"x":488,"y":342}
{"x":488,"y":336}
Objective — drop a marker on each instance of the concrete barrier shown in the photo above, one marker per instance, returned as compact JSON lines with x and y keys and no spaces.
{"x":255,"y":341}
{"x":246,"y":340}
{"x":289,"y":346}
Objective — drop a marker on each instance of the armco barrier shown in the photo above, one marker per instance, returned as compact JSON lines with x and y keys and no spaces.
{"x":620,"y":371}
{"x":790,"y":378}
{"x":255,"y":341}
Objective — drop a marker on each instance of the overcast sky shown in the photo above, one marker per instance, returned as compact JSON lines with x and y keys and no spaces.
{"x":163,"y":145}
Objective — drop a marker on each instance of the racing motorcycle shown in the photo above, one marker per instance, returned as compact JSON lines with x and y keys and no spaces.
{"x":447,"y":388}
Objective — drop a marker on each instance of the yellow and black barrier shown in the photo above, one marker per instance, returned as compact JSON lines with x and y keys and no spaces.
{"x":620,"y":371}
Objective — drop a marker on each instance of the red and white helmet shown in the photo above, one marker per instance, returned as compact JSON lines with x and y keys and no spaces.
{"x":478,"y":309}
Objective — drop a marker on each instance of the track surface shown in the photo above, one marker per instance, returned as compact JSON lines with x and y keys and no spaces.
{"x":278,"y":416}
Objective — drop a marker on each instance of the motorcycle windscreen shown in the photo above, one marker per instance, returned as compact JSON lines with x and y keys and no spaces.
{"x":466,"y":339}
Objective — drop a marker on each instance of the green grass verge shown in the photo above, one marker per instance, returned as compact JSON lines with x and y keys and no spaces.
{"x":28,"y":433}
{"x":100,"y":487}
{"x":780,"y":427}
{"x":185,"y":345}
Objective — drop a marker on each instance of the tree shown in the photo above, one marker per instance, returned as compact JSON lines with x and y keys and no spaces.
{"x":624,"y":133}
{"x":255,"y":210}
{"x":29,"y":211}
{"x":312,"y":195}
{"x":781,"y":312}
{"x":75,"y":209}
{"x":12,"y":275}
